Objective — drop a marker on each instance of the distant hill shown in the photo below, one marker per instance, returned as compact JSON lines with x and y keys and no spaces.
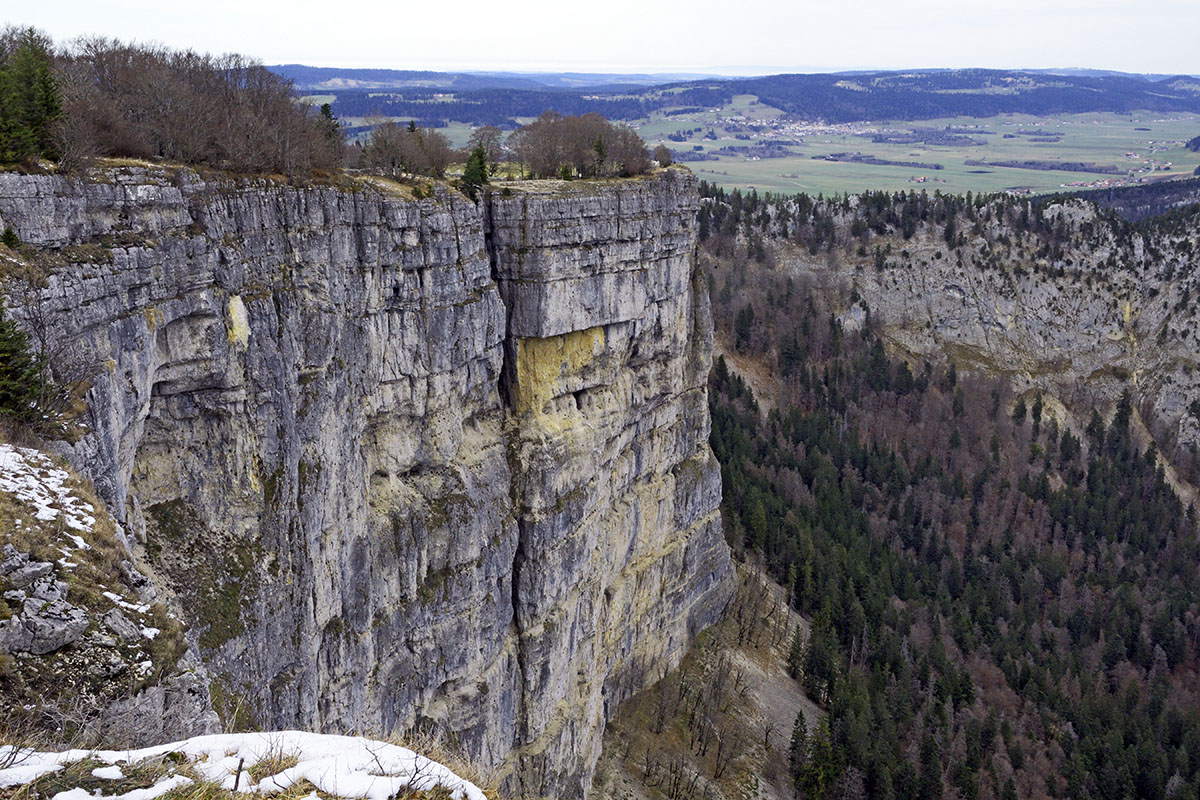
{"x":333,"y":78}
{"x":972,"y":92}
{"x":1095,"y":73}
{"x":498,"y":98}
{"x":337,"y":79}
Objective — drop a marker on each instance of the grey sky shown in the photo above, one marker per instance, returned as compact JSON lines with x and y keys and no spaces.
{"x":754,"y":36}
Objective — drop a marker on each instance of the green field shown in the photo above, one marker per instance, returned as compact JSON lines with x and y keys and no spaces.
{"x":1103,"y":139}
{"x":1106,"y":139}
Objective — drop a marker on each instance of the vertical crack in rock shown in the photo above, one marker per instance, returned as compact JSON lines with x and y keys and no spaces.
{"x":403,"y":463}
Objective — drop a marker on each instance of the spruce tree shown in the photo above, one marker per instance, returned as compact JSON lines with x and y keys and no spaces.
{"x":18,"y":373}
{"x":476,"y":173}
{"x":30,"y":101}
{"x":798,"y":748}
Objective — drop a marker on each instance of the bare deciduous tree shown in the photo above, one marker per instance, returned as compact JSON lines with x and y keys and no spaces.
{"x":393,"y":150}
{"x":228,"y":112}
{"x":491,"y":139}
{"x":588,"y":146}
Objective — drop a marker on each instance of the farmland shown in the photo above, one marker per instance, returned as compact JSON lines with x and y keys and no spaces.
{"x":1106,"y":149}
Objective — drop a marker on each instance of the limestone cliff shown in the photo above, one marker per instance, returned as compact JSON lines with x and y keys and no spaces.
{"x":401,"y":462}
{"x":1113,"y":311}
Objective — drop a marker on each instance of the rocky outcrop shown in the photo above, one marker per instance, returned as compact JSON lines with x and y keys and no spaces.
{"x":45,"y":620}
{"x":79,"y":628}
{"x":1113,"y":312}
{"x":401,"y":462}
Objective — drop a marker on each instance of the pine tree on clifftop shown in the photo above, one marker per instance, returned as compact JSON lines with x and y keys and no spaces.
{"x":30,"y":101}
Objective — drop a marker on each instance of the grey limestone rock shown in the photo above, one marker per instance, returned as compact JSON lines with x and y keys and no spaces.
{"x":119,"y":624}
{"x":397,"y":462}
{"x":48,"y":588}
{"x":178,"y":707}
{"x":13,"y":560}
{"x":42,"y":627}
{"x":29,"y":572}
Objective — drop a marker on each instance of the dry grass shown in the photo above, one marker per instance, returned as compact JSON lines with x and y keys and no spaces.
{"x":60,"y":692}
{"x":273,"y":764}
{"x":438,"y":748}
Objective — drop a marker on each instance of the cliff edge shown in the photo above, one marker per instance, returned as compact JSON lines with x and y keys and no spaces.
{"x":396,"y":462}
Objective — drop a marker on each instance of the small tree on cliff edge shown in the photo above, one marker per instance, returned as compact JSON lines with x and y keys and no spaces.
{"x":476,"y":172}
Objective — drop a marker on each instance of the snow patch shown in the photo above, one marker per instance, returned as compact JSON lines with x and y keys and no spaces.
{"x":141,"y":608}
{"x":340,"y":766}
{"x":162,"y":787}
{"x":112,"y":773}
{"x":33,"y":479}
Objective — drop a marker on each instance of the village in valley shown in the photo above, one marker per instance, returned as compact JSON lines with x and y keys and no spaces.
{"x":749,"y":145}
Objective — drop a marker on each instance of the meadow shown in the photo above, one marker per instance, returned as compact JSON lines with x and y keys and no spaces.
{"x":1137,"y":146}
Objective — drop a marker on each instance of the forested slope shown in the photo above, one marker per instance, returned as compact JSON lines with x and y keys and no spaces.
{"x":1003,"y":589}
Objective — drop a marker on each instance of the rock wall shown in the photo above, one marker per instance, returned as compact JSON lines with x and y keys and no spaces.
{"x":1114,"y":312}
{"x":401,"y":462}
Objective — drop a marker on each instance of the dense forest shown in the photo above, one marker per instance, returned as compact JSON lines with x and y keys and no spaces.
{"x":1145,"y":200}
{"x":502,"y":106}
{"x":1004,"y":604}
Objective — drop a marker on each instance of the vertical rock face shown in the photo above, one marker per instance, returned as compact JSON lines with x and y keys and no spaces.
{"x":620,"y":553}
{"x":402,"y":462}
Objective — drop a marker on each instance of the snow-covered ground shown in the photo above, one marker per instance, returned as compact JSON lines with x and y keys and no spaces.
{"x":34,"y":479}
{"x":339,"y":766}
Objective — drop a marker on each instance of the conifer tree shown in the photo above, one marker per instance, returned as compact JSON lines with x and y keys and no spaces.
{"x":19,"y":373}
{"x":475,"y":174}
{"x":798,"y":748}
{"x":30,"y":101}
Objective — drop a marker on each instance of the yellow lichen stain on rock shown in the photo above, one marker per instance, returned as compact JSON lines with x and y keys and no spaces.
{"x":238,"y":329}
{"x":1127,"y":312}
{"x":543,"y":363}
{"x":154,"y":317}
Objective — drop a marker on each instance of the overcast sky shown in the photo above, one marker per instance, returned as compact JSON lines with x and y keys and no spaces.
{"x":753,"y":36}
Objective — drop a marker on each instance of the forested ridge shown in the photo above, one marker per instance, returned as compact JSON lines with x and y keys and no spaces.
{"x":836,"y":97}
{"x":1004,"y":600}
